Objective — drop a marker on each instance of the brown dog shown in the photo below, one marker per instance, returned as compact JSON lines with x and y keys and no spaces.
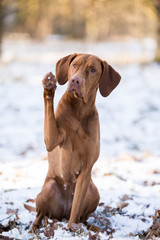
{"x":72,"y":137}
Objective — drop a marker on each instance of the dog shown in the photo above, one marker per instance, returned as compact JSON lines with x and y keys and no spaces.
{"x":72,"y":137}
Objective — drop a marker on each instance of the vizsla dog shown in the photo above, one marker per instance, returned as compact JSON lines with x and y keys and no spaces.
{"x":72,"y":137}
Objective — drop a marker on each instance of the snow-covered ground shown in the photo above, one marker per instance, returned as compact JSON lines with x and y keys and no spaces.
{"x":127,"y":173}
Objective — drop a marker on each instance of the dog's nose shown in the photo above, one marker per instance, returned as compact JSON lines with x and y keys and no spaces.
{"x":76,"y":80}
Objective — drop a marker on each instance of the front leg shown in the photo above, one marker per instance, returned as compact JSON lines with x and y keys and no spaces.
{"x":52,"y":133}
{"x":79,"y":196}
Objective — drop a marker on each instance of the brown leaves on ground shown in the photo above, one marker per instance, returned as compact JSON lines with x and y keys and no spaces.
{"x":49,"y":228}
{"x":5,"y":238}
{"x":109,"y":211}
{"x":8,"y":227}
{"x":94,"y":236}
{"x":3,"y":228}
{"x":100,"y":223}
{"x":49,"y":231}
{"x":154,"y":230}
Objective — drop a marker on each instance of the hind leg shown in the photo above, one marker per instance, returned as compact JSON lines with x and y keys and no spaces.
{"x":90,"y":202}
{"x":49,"y":202}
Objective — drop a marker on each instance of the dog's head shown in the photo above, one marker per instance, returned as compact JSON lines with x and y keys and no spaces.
{"x":86,"y":73}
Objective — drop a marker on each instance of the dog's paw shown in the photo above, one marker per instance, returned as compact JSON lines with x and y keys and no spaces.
{"x":49,"y":82}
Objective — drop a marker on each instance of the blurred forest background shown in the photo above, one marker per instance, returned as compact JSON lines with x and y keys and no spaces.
{"x":95,"y":20}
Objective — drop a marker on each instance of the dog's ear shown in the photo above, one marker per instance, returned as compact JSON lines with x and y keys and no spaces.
{"x":109,"y":79}
{"x":62,"y":67}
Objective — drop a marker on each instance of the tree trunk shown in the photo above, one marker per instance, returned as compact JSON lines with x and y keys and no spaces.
{"x":1,"y":26}
{"x":157,"y":5}
{"x":157,"y":57}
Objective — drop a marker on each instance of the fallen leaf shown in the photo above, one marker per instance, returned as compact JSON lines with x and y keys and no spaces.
{"x":94,"y":236}
{"x":101,"y":204}
{"x":76,"y":226}
{"x":108,"y":174}
{"x":31,"y":200}
{"x":93,"y":228}
{"x":122,"y":205}
{"x":11,"y":203}
{"x":125,"y":197}
{"x":131,"y":234}
{"x":13,"y":211}
{"x":30,"y":208}
{"x":143,"y":220}
{"x":155,"y":171}
{"x":49,"y":232}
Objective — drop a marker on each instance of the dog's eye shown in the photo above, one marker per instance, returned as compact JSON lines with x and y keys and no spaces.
{"x":92,"y":70}
{"x":74,"y":65}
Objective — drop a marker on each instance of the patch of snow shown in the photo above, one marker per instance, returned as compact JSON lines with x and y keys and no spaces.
{"x":114,"y":179}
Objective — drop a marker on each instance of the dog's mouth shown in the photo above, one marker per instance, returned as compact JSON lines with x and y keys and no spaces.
{"x":75,"y":91}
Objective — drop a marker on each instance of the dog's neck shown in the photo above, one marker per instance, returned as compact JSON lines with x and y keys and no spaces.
{"x":81,"y":105}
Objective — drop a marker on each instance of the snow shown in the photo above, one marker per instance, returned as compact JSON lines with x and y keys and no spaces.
{"x":124,"y":176}
{"x":128,"y":168}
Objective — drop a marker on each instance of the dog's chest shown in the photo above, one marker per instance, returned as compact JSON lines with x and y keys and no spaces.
{"x":82,"y":138}
{"x":80,"y":147}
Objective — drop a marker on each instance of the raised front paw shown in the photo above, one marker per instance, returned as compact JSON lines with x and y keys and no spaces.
{"x":49,"y":82}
